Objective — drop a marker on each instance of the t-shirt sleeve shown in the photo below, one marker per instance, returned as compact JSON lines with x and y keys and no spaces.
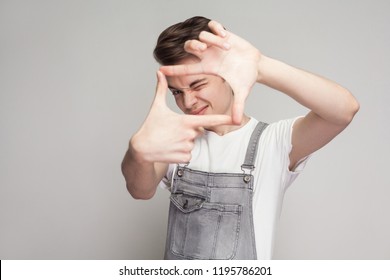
{"x":281,"y":135}
{"x":291,"y":175}
{"x":166,"y":182}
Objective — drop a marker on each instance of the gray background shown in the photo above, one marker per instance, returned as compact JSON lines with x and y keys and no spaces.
{"x":77,"y":79}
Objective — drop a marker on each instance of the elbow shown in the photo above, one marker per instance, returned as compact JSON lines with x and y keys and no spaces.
{"x":350,"y":109}
{"x":356,"y":108}
{"x":353,"y":108}
{"x":140,"y":195}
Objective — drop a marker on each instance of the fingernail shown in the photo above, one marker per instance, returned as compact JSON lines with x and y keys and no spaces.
{"x":222,"y":32}
{"x":226,"y":46}
{"x":202,"y":47}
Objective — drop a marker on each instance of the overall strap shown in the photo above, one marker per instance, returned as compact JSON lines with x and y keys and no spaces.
{"x":252,"y":147}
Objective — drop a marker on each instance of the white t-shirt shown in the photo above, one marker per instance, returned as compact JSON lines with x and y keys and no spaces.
{"x":272,"y":177}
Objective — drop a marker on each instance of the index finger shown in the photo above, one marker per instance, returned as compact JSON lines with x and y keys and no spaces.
{"x":183,"y":69}
{"x":208,"y":120}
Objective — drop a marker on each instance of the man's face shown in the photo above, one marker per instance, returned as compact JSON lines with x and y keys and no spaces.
{"x":201,"y":94}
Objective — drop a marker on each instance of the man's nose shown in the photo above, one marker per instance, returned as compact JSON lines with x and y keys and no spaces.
{"x":189,"y":97}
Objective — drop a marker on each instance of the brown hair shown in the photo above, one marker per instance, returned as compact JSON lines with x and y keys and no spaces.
{"x":169,"y":49}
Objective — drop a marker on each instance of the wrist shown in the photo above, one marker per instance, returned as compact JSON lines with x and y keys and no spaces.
{"x":262,"y":68}
{"x":136,"y":150}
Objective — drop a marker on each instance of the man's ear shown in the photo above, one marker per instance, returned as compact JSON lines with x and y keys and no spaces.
{"x":227,"y":84}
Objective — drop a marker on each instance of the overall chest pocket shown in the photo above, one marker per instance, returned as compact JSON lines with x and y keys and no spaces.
{"x":203,"y":230}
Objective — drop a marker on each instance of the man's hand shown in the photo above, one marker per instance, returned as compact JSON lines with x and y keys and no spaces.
{"x":224,"y":54}
{"x":166,"y":136}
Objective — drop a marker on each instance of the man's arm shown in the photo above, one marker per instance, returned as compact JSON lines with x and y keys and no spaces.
{"x":164,"y":137}
{"x":142,"y":177}
{"x":242,"y":65}
{"x":332,"y":106}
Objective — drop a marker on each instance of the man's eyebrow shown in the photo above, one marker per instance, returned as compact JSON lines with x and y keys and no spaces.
{"x":191,"y":85}
{"x":197,"y":82}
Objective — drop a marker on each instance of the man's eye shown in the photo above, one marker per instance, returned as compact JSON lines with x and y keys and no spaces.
{"x":176,"y":92}
{"x":199,"y":87}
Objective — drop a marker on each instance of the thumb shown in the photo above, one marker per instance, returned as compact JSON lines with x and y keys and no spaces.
{"x":238,"y":109}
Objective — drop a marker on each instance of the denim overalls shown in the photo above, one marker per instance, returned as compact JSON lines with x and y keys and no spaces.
{"x":210,"y":214}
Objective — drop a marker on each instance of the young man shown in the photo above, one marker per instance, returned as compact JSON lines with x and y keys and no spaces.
{"x":226,"y":171}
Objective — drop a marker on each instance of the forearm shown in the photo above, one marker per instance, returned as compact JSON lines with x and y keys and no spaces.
{"x":327,"y":99}
{"x":142,"y":177}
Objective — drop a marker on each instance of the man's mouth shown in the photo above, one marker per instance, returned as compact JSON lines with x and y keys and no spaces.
{"x":199,"y":111}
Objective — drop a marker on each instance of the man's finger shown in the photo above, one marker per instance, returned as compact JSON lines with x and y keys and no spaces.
{"x":200,"y":130}
{"x":195,"y":47}
{"x":238,"y":109}
{"x":162,"y":87}
{"x":183,"y":69}
{"x":217,"y":28}
{"x":209,"y":120}
{"x":237,"y":114}
{"x":214,"y":40}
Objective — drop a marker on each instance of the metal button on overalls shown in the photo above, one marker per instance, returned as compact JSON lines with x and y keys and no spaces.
{"x":210,"y":214}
